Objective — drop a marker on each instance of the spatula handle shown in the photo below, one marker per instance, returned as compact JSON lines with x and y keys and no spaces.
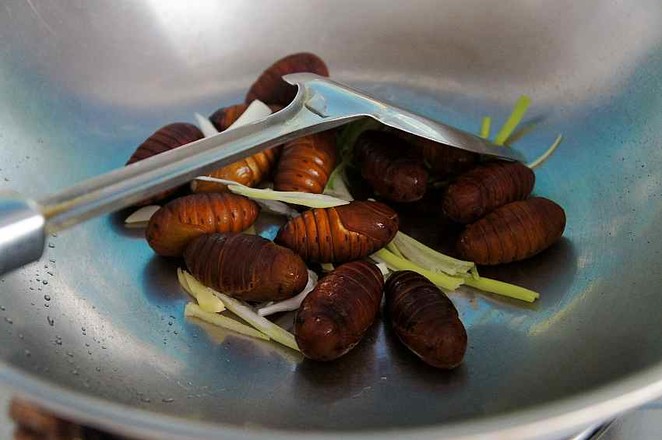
{"x":24,"y":223}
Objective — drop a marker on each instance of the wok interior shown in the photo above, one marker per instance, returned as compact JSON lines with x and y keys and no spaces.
{"x":82,"y":85}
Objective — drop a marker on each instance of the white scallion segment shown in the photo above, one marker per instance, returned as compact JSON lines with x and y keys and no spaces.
{"x":194,"y":311}
{"x":206,"y":127}
{"x":291,"y":303}
{"x":428,"y":258}
{"x":206,"y":299}
{"x":336,"y":186}
{"x":539,"y":161}
{"x":140,"y":218}
{"x":182,"y":282}
{"x":381,"y":265}
{"x":245,"y":312}
{"x":293,"y":197}
{"x":256,"y":111}
{"x":267,"y":327}
{"x":327,"y":267}
{"x":276,"y":207}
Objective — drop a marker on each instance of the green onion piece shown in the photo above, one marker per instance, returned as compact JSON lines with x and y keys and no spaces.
{"x":396,"y":263}
{"x":485,"y":127}
{"x":428,"y":258}
{"x":546,"y":154}
{"x":294,"y":197}
{"x":393,"y":248}
{"x":195,"y":311}
{"x":336,"y":186}
{"x":503,"y":289}
{"x":327,"y":267}
{"x":207,"y":301}
{"x":267,"y":327}
{"x":513,"y":120}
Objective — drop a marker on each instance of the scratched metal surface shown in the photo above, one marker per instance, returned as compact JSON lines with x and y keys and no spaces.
{"x":96,"y":330}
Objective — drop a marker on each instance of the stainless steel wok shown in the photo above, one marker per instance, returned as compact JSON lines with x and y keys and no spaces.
{"x":95,"y":330}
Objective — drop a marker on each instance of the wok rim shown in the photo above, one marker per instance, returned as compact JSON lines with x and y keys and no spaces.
{"x":560,"y":417}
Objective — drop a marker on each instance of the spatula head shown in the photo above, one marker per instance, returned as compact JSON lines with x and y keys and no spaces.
{"x":333,"y":100}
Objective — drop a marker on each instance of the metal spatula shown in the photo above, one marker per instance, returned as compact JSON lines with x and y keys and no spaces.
{"x":319,"y":105}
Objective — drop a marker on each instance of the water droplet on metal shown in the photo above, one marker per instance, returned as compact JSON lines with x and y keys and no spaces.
{"x":103,"y":347}
{"x":50,"y":320}
{"x":50,"y":273}
{"x":98,"y":368}
{"x":45,"y":282}
{"x":58,"y":340}
{"x":2,"y":308}
{"x":167,"y":400}
{"x":47,"y":297}
{"x":74,"y":372}
{"x":9,"y":320}
{"x":52,"y":260}
{"x":45,"y":266}
{"x":27,"y":353}
{"x":83,"y":328}
{"x":20,"y":336}
{"x":70,"y":354}
{"x":54,"y":234}
{"x":51,"y":245}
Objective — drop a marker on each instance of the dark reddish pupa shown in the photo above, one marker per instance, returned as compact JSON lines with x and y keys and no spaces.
{"x":247,"y":267}
{"x":173,"y":226}
{"x":425,"y":320}
{"x":391,"y":166}
{"x":334,"y":317}
{"x":340,"y":234}
{"x":444,"y":161}
{"x":166,"y":138}
{"x":513,"y":232}
{"x":270,"y":87}
{"x":486,"y":187}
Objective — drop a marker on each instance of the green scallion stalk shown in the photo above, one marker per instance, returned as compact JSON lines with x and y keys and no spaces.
{"x":502,"y":288}
{"x":396,"y":263}
{"x":485,"y":127}
{"x":293,"y":197}
{"x":516,"y":116}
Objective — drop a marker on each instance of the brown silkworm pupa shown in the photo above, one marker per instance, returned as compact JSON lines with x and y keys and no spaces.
{"x":444,"y":160}
{"x":425,"y":320}
{"x":248,"y":171}
{"x":164,"y":139}
{"x":173,"y":226}
{"x":334,"y":317}
{"x":247,"y":267}
{"x":513,"y":232}
{"x":391,"y":166}
{"x":270,"y":87}
{"x":340,"y":234}
{"x":486,"y":187}
{"x":306,"y":163}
